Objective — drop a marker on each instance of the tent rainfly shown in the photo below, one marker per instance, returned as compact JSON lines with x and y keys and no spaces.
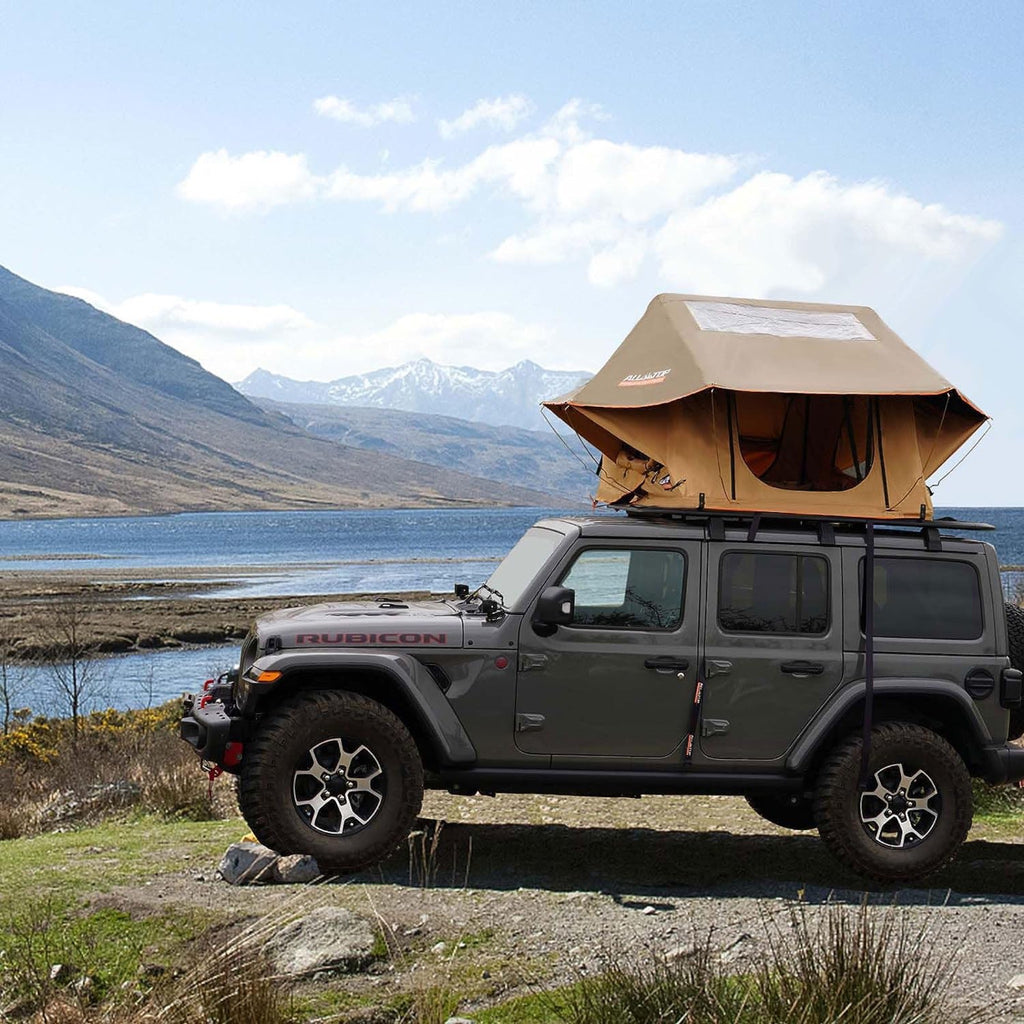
{"x":761,"y":406}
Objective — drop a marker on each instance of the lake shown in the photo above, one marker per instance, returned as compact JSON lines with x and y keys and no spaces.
{"x":307,"y":553}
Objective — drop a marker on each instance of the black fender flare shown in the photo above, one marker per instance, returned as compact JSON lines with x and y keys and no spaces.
{"x":809,"y":744}
{"x":435,"y":715}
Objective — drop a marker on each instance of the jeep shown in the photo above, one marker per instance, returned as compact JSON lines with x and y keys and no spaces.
{"x":621,"y":655}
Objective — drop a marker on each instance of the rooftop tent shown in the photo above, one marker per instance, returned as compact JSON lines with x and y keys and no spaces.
{"x":753,"y":405}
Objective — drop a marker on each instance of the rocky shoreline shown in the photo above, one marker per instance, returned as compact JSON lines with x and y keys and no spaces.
{"x":120,"y":611}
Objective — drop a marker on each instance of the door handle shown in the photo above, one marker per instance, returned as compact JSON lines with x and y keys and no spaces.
{"x":667,"y":664}
{"x":802,"y":669}
{"x":718,"y":668}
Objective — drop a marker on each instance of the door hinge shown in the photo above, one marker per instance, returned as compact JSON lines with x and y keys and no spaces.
{"x":527,"y":662}
{"x":529,"y":723}
{"x":713,"y":727}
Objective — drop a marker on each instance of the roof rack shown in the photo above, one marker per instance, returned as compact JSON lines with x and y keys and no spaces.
{"x":824,"y":526}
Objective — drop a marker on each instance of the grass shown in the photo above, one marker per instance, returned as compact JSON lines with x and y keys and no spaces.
{"x":95,"y":859}
{"x":48,"y":949}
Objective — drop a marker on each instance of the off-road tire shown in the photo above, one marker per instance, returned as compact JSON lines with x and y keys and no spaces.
{"x":1015,"y":634}
{"x":838,"y":802}
{"x":788,"y":810}
{"x":275,"y":753}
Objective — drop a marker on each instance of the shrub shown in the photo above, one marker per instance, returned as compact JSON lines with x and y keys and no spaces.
{"x":856,"y":966}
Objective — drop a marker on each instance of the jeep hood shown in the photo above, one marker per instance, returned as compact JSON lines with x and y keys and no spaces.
{"x":363,"y":624}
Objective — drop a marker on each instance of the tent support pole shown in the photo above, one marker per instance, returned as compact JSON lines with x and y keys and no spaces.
{"x":881,"y":454}
{"x":869,"y":651}
{"x":730,"y":403}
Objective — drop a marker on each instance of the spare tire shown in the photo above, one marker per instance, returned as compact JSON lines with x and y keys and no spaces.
{"x":1015,"y":634}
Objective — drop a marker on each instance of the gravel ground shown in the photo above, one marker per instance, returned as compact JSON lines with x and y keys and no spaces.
{"x":542,"y":888}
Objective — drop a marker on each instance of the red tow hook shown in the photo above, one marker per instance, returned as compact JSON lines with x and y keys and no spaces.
{"x":232,"y":758}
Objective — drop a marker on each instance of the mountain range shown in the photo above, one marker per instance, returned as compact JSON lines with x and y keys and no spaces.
{"x":507,"y":455}
{"x":98,"y":417}
{"x":509,"y":397}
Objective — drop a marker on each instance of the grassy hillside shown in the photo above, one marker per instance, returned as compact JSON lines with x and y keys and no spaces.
{"x":99,"y":417}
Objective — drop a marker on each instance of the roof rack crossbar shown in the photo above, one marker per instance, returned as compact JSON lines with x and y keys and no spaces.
{"x":818,"y":521}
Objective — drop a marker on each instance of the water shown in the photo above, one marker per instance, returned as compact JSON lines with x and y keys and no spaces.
{"x":304,"y":552}
{"x":127,"y":680}
{"x":309,"y":553}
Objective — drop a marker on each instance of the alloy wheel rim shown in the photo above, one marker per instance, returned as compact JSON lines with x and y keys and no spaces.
{"x":903,"y":807}
{"x":338,"y":787}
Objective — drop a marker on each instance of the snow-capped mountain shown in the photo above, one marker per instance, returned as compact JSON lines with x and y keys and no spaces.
{"x":503,"y":398}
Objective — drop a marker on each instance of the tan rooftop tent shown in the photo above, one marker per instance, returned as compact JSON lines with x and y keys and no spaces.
{"x":754,"y":405}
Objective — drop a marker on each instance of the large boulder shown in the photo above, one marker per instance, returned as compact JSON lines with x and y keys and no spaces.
{"x":326,"y":939}
{"x":248,"y":864}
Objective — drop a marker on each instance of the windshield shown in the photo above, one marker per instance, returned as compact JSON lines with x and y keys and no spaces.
{"x":515,"y":574}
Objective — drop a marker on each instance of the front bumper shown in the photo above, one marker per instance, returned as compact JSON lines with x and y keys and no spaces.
{"x":1003,"y":764}
{"x":209,"y":728}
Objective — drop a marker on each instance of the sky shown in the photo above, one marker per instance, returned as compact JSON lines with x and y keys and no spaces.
{"x":325,"y":188}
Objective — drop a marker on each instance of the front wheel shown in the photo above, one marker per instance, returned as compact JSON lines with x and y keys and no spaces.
{"x":914,"y":813}
{"x":332,"y":774}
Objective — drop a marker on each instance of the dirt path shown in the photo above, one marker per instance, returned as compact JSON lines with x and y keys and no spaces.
{"x":541,"y":888}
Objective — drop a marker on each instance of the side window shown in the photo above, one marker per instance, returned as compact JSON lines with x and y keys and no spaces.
{"x":926,"y":599}
{"x":765,"y":592}
{"x":638,"y":588}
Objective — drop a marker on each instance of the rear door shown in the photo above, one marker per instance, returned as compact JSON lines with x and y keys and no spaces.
{"x":773,"y":645}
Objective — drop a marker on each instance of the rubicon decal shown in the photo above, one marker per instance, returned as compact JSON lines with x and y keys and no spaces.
{"x":636,"y":380}
{"x":355,"y":639}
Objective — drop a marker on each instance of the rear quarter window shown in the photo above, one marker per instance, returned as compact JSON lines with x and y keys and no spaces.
{"x":925,"y":599}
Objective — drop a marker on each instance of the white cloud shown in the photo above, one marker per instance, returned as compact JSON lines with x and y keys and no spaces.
{"x":155,"y":312}
{"x":775,"y":233}
{"x":618,"y":207}
{"x":260,"y":179}
{"x":488,"y":340}
{"x":504,"y":112}
{"x":399,"y":110}
{"x":221,"y":336}
{"x":231,"y":339}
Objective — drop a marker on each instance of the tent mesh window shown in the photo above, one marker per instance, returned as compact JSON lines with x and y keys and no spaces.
{"x":806,"y":442}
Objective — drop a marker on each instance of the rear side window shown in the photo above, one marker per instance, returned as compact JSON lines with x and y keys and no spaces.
{"x":619,"y":588}
{"x":763,"y":592}
{"x":925,"y":598}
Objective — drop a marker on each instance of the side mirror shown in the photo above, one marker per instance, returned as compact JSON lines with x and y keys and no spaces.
{"x":555,"y":607}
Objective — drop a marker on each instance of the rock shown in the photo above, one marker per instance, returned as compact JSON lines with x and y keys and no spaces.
{"x":61,"y":974}
{"x":248,"y":864}
{"x":296,"y":869}
{"x":739,"y":949}
{"x":439,"y":947}
{"x":1016,"y":982}
{"x":681,"y":953}
{"x":648,"y":910}
{"x":84,"y":987}
{"x":326,"y":939}
{"x":459,"y":1020}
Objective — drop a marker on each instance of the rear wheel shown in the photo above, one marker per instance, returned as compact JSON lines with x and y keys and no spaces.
{"x":1015,"y":635}
{"x":332,"y":774}
{"x":790,"y":810}
{"x":914,"y":813}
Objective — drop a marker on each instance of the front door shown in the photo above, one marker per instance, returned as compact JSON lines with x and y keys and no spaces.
{"x":773,"y":646}
{"x":618,"y":681}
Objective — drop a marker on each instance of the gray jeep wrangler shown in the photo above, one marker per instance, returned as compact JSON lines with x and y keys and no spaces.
{"x":625,"y":655}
